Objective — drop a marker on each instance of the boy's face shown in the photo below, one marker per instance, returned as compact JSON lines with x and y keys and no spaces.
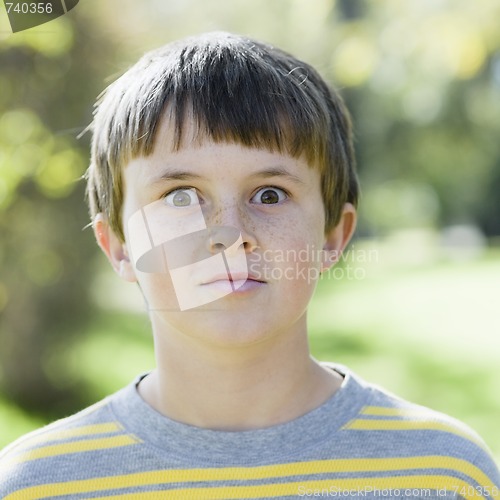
{"x":226,"y":242}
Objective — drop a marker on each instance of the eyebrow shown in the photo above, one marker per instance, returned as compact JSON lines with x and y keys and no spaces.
{"x":278,"y":171}
{"x":182,"y":175}
{"x":175,"y":175}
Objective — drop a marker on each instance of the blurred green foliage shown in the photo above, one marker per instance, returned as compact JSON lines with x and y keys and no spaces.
{"x":46,"y":91}
{"x":422,"y":79}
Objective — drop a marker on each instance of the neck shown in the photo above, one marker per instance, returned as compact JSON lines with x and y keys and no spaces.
{"x":239,"y":387}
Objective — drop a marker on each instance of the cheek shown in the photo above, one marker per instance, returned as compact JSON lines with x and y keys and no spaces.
{"x":158,"y":291}
{"x":295,"y":234}
{"x":294,"y":260}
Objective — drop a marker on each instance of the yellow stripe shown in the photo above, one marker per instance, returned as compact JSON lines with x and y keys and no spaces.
{"x":73,"y":447}
{"x":255,"y":473}
{"x":289,"y":489}
{"x":86,"y":430}
{"x":410,"y":425}
{"x":394,"y":412}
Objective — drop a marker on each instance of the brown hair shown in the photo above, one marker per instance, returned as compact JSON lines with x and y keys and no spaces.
{"x":237,"y":90}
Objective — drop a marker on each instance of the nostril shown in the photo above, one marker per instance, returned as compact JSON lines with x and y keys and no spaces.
{"x":219,"y":246}
{"x":249,"y":246}
{"x":216,"y":246}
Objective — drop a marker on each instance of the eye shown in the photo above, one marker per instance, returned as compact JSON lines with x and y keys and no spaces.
{"x":269,"y":196}
{"x":182,"y":197}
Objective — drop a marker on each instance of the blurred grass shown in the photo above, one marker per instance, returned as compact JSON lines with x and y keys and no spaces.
{"x":428,"y":332}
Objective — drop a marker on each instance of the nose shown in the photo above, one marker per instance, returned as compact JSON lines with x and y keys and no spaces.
{"x":227,"y":228}
{"x":231,"y":238}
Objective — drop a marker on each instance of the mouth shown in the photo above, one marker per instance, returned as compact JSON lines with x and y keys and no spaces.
{"x":232,"y":278}
{"x":234,"y":283}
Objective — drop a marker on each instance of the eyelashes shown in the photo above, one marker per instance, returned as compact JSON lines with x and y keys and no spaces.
{"x":269,"y":195}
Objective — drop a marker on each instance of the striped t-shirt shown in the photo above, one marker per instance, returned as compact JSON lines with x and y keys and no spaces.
{"x":361,"y":443}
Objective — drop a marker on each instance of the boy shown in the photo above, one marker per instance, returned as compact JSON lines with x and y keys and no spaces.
{"x":216,"y":161}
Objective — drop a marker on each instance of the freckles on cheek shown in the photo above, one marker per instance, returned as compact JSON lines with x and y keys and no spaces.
{"x":289,"y":239}
{"x":296,"y":233}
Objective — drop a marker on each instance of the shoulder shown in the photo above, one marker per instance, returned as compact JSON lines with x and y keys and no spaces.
{"x":59,"y":449}
{"x":418,"y":438}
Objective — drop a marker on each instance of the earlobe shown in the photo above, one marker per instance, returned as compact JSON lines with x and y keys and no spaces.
{"x":337,"y":238}
{"x":114,"y":249}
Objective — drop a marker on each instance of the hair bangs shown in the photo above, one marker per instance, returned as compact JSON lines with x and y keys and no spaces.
{"x":229,"y":98}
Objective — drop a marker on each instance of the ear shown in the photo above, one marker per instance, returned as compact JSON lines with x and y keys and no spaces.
{"x":338,"y":237}
{"x":114,"y":249}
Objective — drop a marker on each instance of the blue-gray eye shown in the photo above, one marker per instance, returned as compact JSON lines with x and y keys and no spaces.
{"x":269,"y":196}
{"x":181,"y":198}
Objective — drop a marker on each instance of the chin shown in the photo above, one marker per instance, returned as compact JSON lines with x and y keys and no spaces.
{"x":221,"y":328}
{"x":227,"y":331}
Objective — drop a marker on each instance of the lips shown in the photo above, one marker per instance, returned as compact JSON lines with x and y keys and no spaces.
{"x":232,"y":278}
{"x":223,"y":286}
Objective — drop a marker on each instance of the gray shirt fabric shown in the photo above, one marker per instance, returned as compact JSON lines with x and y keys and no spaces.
{"x":363,"y":442}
